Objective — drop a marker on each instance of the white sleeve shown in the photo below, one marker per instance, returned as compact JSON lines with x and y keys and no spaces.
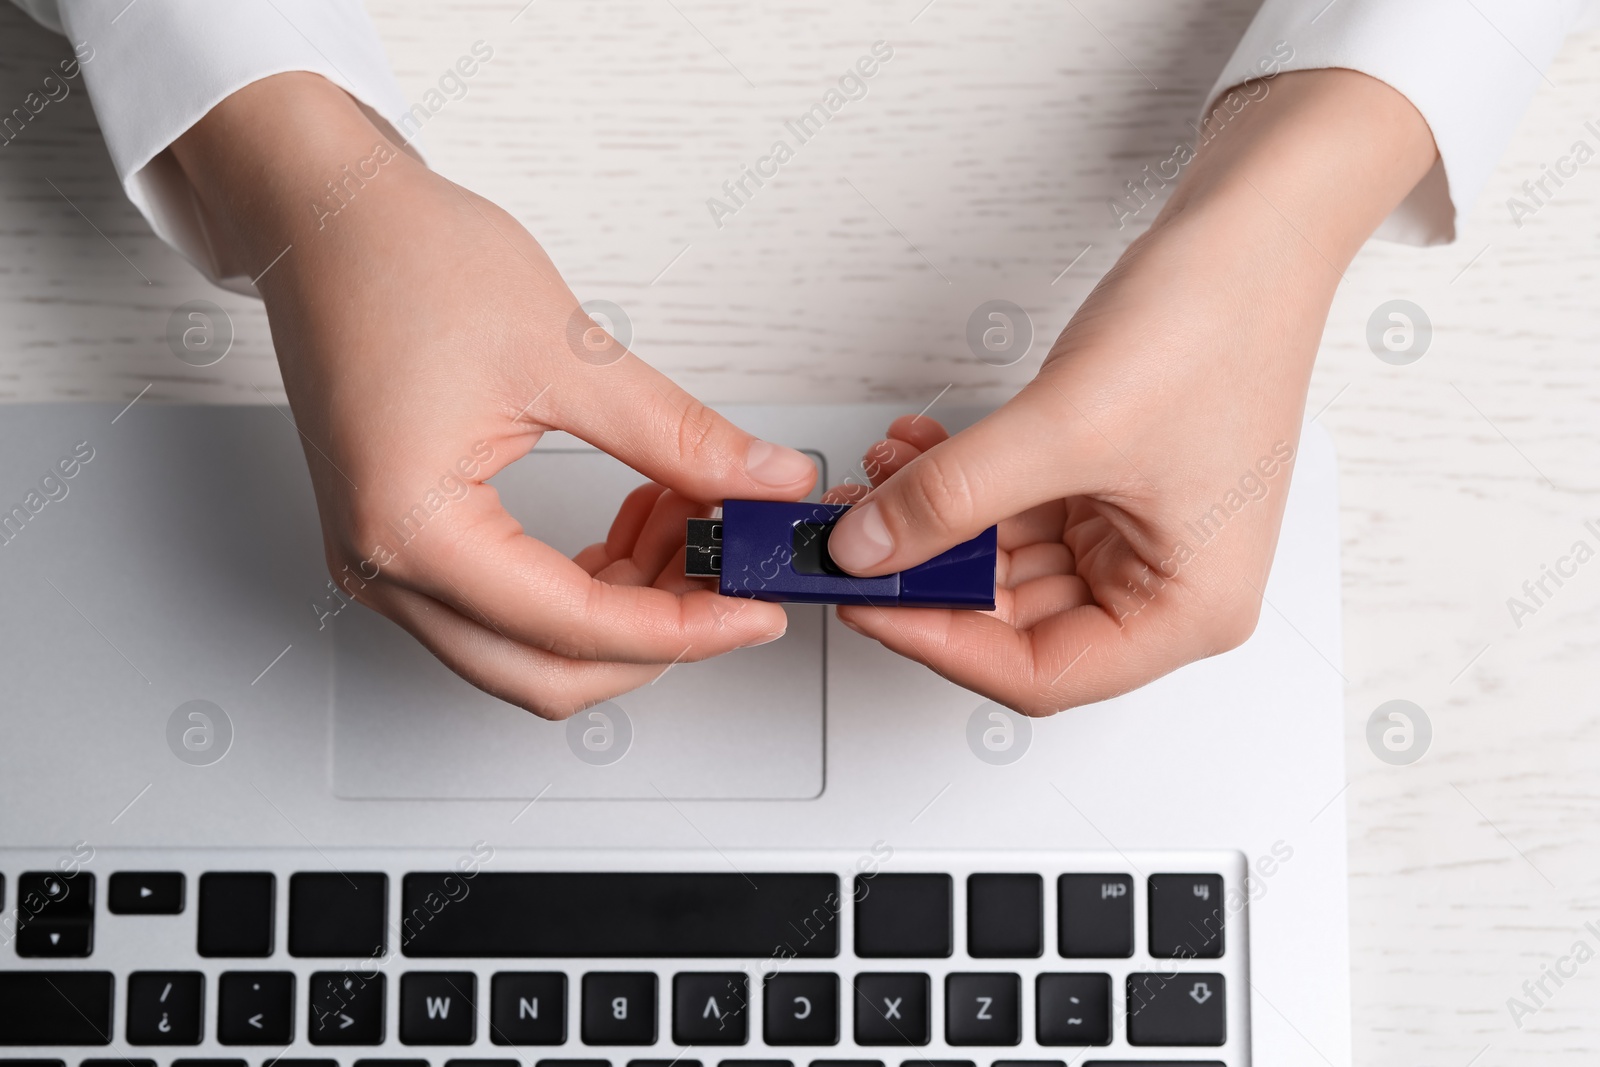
{"x":1469,"y":66}
{"x":153,"y":68}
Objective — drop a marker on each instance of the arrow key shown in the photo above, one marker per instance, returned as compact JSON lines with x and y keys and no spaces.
{"x":55,"y":939}
{"x":55,"y":914}
{"x":1177,"y":1009}
{"x":146,"y":893}
{"x":255,"y":1008}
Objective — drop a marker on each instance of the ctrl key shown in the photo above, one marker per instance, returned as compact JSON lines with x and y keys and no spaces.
{"x":1177,"y":1009}
{"x":56,"y":1008}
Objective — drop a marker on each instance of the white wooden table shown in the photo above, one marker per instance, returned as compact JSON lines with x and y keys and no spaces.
{"x":979,"y":165}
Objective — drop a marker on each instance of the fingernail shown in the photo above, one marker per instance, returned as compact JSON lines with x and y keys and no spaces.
{"x":764,"y":639}
{"x":775,"y":465}
{"x":860,"y":541}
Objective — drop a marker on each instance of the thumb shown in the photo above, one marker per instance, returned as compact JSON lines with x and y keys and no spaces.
{"x":638,"y":415}
{"x":1015,"y":459}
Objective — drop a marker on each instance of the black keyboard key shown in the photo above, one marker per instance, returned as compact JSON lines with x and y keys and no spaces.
{"x":209,"y":1063}
{"x":438,"y":1008}
{"x":108,"y":1063}
{"x":236,"y":914}
{"x":346,"y":1008}
{"x":649,"y":916}
{"x":663,"y":1063}
{"x":1073,"y":1009}
{"x":391,"y":1063}
{"x":1177,"y":1009}
{"x":486,"y":1063}
{"x":983,"y":1009}
{"x":47,"y":895}
{"x":619,"y":1008}
{"x":846,"y":1063}
{"x":892,"y":1009}
{"x":1030,"y":1063}
{"x":1186,"y":916}
{"x":710,"y":1008}
{"x":574,"y":1063}
{"x":165,"y":1007}
{"x":1005,"y":916}
{"x":338,"y":915}
{"x":528,"y":1008}
{"x":801,"y":1009}
{"x":902,"y":916}
{"x":32,"y":1063}
{"x":55,"y":914}
{"x":255,"y":1008}
{"x":756,"y":1063}
{"x":299,"y":1063}
{"x":937,"y":1063}
{"x":68,"y":939}
{"x":1154,"y":1063}
{"x":145,"y":893}
{"x":1096,"y":916}
{"x":56,"y":1007}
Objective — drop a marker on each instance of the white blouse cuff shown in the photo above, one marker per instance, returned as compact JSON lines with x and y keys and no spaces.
{"x":153,"y":68}
{"x":1469,"y":68}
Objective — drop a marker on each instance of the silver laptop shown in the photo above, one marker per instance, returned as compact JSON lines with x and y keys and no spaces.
{"x":242,"y":821}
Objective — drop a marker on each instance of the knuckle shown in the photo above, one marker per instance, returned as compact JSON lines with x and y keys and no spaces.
{"x":370,"y":538}
{"x":350,"y":568}
{"x":876,"y":459}
{"x":554,"y":698}
{"x":939,"y":494}
{"x":347,"y":576}
{"x":354,"y":541}
{"x":552,"y":708}
{"x":1233,"y":625}
{"x":1040,"y":704}
{"x":697,"y":432}
{"x":1037,"y":705}
{"x":568,"y":697}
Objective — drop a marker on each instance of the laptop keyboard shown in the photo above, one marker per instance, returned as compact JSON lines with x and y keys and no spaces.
{"x":803,"y":959}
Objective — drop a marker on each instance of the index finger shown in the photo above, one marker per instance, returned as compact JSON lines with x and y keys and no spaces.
{"x":484,"y":565}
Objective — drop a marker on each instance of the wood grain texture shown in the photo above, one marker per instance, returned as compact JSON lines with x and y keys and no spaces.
{"x":979,"y":165}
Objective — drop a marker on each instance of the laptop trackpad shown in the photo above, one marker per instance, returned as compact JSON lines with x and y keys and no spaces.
{"x":748,"y":725}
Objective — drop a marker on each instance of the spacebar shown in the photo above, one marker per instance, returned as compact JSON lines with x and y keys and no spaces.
{"x":597,"y":915}
{"x":55,"y":1008}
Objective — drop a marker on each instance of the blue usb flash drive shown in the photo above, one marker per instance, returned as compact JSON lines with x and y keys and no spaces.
{"x":778,"y":550}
